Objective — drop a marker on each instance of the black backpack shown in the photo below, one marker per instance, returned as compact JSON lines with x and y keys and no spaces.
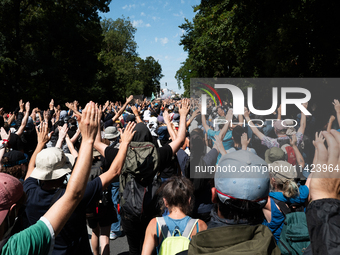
{"x":139,"y":179}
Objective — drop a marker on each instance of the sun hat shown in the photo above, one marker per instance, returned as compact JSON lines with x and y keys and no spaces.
{"x":111,"y":132}
{"x":283,"y":170}
{"x":246,"y":179}
{"x":11,"y":190}
{"x":274,"y":154}
{"x":51,"y":164}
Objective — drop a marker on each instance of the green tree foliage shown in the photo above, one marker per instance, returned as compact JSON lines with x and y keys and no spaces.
{"x":122,"y":72}
{"x":48,"y":49}
{"x":237,"y":38}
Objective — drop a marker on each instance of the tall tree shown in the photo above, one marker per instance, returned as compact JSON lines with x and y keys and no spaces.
{"x":237,"y":38}
{"x":49,"y":48}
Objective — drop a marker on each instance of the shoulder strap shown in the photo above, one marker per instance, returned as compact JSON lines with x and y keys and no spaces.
{"x":164,"y":228}
{"x":283,"y":207}
{"x":190,"y":227}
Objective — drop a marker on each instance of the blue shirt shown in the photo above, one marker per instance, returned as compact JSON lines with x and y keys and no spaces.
{"x":227,"y":141}
{"x":304,"y":192}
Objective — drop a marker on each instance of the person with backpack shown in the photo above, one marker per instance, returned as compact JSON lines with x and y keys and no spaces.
{"x":172,"y":233}
{"x":286,"y":197}
{"x":239,"y":196}
{"x":139,"y":179}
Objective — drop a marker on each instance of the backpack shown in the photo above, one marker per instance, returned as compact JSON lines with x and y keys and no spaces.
{"x":138,"y":181}
{"x":294,"y":237}
{"x":172,"y":244}
{"x":234,"y":239}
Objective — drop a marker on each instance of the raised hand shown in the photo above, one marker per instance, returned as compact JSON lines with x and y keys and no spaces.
{"x":88,"y":122}
{"x":4,"y":135}
{"x":128,"y":133}
{"x":246,"y":112}
{"x":134,"y":110}
{"x":293,"y":140}
{"x":325,"y":179}
{"x":27,"y":106}
{"x":129,"y":99}
{"x":166,"y":117}
{"x":184,"y":107}
{"x":245,"y":141}
{"x":336,"y":105}
{"x":63,"y":131}
{"x":21,"y":105}
{"x":43,"y":133}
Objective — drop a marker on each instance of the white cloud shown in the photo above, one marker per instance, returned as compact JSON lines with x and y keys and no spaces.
{"x":155,"y":18}
{"x":128,"y":7}
{"x":182,"y":2}
{"x":132,"y":17}
{"x":180,"y":14}
{"x":166,"y":57}
{"x":140,"y":23}
{"x":166,"y":3}
{"x":142,"y":14}
{"x":142,"y":4}
{"x":183,"y":31}
{"x":164,"y":40}
{"x":137,"y":23}
{"x":156,"y":39}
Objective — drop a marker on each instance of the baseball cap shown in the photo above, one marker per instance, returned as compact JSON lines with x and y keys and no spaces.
{"x":111,"y":132}
{"x":274,"y":154}
{"x":51,"y":164}
{"x":15,"y":158}
{"x":241,"y":183}
{"x":11,"y":190}
{"x":283,"y":170}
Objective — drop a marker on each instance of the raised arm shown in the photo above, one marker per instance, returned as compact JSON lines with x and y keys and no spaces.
{"x":61,"y":135}
{"x":225,"y":128}
{"x":255,"y":130}
{"x":121,"y":110}
{"x":330,"y":122}
{"x":98,"y":144}
{"x":119,"y":160}
{"x":168,"y":125}
{"x":303,"y":120}
{"x":43,"y":138}
{"x":299,"y":158}
{"x":194,"y":115}
{"x":5,"y":139}
{"x":136,"y":113}
{"x":24,"y":120}
{"x":337,"y":109}
{"x":183,"y":112}
{"x":77,"y":183}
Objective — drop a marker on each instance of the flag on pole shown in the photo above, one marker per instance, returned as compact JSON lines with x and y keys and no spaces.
{"x":152,"y":97}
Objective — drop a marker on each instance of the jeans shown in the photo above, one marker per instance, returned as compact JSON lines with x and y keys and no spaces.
{"x":115,"y":227}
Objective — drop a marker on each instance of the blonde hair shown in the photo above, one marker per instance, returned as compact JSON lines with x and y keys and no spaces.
{"x":288,"y":188}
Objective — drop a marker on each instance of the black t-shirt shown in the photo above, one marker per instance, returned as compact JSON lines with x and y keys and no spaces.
{"x":73,"y":239}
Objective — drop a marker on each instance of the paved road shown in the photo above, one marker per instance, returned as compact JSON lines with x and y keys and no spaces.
{"x":118,"y":246}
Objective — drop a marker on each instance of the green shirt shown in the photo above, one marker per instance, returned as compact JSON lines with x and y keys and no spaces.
{"x":37,"y":239}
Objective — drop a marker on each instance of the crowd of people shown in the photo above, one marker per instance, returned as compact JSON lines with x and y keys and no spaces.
{"x":155,"y":169}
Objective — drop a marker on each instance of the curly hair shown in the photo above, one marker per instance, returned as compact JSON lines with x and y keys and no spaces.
{"x":15,"y":171}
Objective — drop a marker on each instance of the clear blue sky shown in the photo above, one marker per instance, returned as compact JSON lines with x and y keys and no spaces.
{"x":158,"y":34}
